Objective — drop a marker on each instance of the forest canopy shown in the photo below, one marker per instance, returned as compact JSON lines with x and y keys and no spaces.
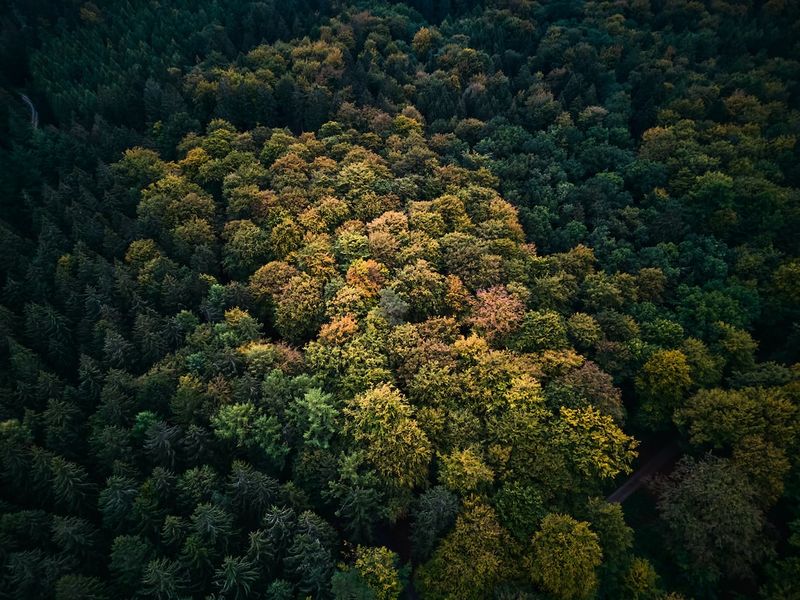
{"x":370,"y":299}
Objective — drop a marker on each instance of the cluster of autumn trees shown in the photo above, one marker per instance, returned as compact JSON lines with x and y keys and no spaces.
{"x":337,"y":300}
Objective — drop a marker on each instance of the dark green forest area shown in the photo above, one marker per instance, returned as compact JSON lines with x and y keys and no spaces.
{"x":370,"y":300}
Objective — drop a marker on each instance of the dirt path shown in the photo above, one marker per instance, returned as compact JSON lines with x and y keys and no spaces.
{"x":664,"y":457}
{"x":34,"y":112}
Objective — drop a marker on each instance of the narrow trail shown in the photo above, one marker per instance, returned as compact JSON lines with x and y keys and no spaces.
{"x":34,"y":112}
{"x":664,"y":457}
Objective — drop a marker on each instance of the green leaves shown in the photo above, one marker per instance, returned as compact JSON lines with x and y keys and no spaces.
{"x":469,"y":561}
{"x":593,"y":444}
{"x":714,"y":520}
{"x":381,"y":421}
{"x":662,"y":384}
{"x":236,"y":578}
{"x":248,"y":427}
{"x":279,"y":316}
{"x":317,"y":417}
{"x":566,"y":554}
{"x":163,"y":579}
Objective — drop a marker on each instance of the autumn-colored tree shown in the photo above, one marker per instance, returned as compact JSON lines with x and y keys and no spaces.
{"x":594,"y":446}
{"x":367,"y":275}
{"x":270,"y":279}
{"x":496,"y":314}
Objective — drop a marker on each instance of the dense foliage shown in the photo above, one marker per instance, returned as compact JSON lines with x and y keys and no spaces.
{"x":360,"y":299}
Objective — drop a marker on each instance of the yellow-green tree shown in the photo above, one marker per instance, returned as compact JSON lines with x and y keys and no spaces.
{"x":469,"y":561}
{"x":464,"y":471}
{"x":299,"y":307}
{"x":566,"y":554}
{"x":381,"y":420}
{"x":378,"y":569}
{"x":593,"y":444}
{"x":662,"y":384}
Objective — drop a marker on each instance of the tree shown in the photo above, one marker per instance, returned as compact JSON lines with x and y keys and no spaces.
{"x":759,"y":425}
{"x":764,"y":463}
{"x":378,"y":568}
{"x":299,"y":307}
{"x":584,"y":331}
{"x":662,"y":384}
{"x":422,"y":288}
{"x":496,"y":314}
{"x":736,"y":346}
{"x":138,"y":168}
{"x":235,"y":578}
{"x":433,"y":514}
{"x":161,"y":441}
{"x":245,"y":425}
{"x":77,"y":587}
{"x":310,"y":563}
{"x":588,"y":385}
{"x":210,"y":532}
{"x":367,"y":275}
{"x":464,"y":472}
{"x":592,"y":444}
{"x":616,"y":540}
{"x":250,"y":491}
{"x":520,"y":508}
{"x":541,"y":330}
{"x":721,"y":418}
{"x":425,"y":40}
{"x":71,"y":486}
{"x":566,"y":554}
{"x":270,"y":279}
{"x":358,"y":495}
{"x":706,"y":368}
{"x":279,"y":524}
{"x":381,"y":420}
{"x":76,"y":537}
{"x":316,"y":417}
{"x":469,"y":561}
{"x":641,"y":580}
{"x":350,"y":585}
{"x":280,"y":589}
{"x":172,"y":201}
{"x":116,"y":502}
{"x":714,"y":522}
{"x":162,"y":579}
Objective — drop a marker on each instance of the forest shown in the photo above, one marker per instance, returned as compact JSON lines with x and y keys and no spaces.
{"x":382,"y":300}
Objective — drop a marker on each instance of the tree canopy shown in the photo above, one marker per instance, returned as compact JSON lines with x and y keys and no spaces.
{"x":340,"y":299}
